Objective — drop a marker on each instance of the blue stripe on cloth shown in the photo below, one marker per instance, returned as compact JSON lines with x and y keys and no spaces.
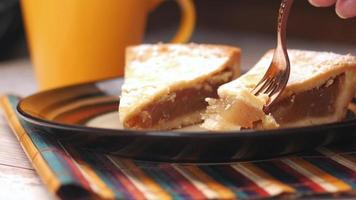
{"x":164,"y":181}
{"x":226,"y":181}
{"x":238,"y":181}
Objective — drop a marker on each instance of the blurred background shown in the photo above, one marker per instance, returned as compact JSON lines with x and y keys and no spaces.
{"x":249,"y":24}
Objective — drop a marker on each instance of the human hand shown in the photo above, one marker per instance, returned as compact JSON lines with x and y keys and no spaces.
{"x":344,"y":8}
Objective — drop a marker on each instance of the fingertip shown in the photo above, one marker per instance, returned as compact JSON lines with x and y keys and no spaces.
{"x":346,"y":8}
{"x":314,"y":3}
{"x":340,"y":14}
{"x":322,"y":3}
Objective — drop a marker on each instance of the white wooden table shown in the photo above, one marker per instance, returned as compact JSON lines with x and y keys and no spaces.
{"x":18,"y":180}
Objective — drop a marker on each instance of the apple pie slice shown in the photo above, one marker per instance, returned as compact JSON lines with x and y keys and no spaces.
{"x":166,"y":84}
{"x":320,"y":87}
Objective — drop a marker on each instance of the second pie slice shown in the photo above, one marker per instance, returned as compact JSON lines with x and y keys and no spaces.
{"x":166,"y":84}
{"x":320,"y":87}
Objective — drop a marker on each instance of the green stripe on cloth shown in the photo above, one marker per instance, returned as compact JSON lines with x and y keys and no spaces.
{"x":82,"y":173}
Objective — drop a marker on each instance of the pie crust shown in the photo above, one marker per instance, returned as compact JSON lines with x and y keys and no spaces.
{"x":166,"y":84}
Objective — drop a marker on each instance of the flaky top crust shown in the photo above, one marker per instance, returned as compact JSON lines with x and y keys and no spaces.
{"x":154,"y":70}
{"x":309,"y":69}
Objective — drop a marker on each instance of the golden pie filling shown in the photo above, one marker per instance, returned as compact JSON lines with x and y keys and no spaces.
{"x":315,"y":103}
{"x":183,"y":105}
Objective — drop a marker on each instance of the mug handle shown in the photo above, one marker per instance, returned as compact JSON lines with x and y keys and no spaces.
{"x":187,"y":21}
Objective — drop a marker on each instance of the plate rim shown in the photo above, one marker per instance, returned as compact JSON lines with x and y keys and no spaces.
{"x":169,"y":133}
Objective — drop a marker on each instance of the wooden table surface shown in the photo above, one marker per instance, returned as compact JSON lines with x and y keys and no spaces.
{"x":18,"y":180}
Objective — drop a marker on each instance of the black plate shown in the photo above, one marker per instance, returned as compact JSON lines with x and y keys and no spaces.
{"x":86,"y":115}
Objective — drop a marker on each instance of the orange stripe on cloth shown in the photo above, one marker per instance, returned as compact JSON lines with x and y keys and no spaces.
{"x":325,"y":180}
{"x":222,"y":191}
{"x":97,"y":185}
{"x":262,"y":179}
{"x":135,"y":173}
{"x":40,"y":165}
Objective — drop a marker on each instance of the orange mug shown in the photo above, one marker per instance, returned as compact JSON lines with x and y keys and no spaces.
{"x":76,"y":41}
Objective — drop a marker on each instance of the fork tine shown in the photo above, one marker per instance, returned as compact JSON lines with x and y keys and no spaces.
{"x":271,"y":86}
{"x":266,"y":85}
{"x":260,"y":83}
{"x":274,"y":90}
{"x":261,"y":86}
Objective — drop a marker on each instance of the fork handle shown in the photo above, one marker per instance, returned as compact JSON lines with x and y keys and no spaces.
{"x":284,"y":9}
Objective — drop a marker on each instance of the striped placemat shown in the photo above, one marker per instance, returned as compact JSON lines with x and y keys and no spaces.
{"x":78,"y":173}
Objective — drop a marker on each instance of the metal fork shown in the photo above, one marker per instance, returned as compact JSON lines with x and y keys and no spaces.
{"x":277,"y":75}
